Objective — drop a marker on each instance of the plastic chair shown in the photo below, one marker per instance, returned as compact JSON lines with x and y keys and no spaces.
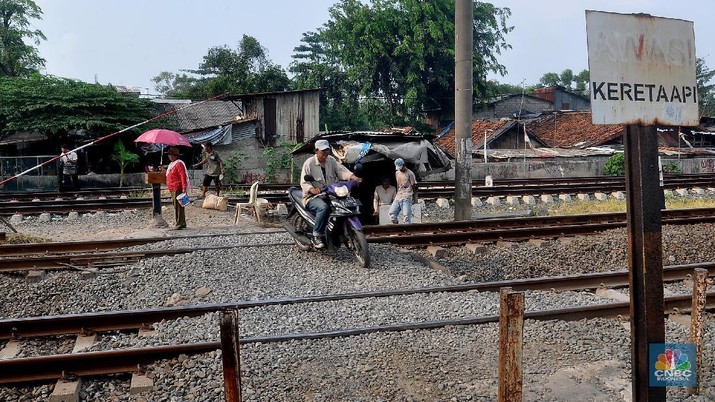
{"x":252,"y":197}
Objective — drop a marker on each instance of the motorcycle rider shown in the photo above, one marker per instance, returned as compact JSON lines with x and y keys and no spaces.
{"x":325,"y":169}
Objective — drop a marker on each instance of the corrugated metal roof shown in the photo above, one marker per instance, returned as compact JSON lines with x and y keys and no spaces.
{"x":205,"y":115}
{"x":18,"y":138}
{"x":546,"y":153}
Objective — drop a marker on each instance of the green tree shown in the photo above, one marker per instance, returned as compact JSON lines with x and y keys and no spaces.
{"x":18,"y":59}
{"x":225,"y":70}
{"x":124,"y":158}
{"x":53,"y":106}
{"x":397,"y":56}
{"x":577,"y":83}
{"x":706,"y":93}
{"x":566,"y":78}
{"x":582,"y":82}
{"x":550,"y":80}
{"x":315,"y":67}
{"x":174,"y":85}
{"x":496,"y":89}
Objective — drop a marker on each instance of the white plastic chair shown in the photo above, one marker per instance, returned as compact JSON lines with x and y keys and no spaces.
{"x":255,"y":203}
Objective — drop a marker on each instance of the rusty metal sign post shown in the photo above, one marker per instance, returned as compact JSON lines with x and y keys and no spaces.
{"x":642,"y":74}
{"x":645,"y":255}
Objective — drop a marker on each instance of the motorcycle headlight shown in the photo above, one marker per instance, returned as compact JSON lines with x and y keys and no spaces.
{"x":342,"y":191}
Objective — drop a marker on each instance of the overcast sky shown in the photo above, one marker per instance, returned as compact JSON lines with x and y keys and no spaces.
{"x":127,"y":42}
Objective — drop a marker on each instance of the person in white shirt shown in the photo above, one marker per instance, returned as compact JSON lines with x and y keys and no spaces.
{"x":325,"y":169}
{"x":384,"y":195}
{"x":68,"y":164}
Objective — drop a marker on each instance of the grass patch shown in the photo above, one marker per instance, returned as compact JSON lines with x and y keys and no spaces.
{"x":674,"y":202}
{"x":19,"y":238}
{"x":236,"y":193}
{"x":613,"y":205}
{"x":589,"y":207}
{"x":140,"y":194}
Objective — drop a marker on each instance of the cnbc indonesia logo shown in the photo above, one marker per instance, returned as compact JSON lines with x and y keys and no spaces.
{"x":673,"y":367}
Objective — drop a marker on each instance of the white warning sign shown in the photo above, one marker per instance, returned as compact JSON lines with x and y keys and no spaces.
{"x":642,"y":69}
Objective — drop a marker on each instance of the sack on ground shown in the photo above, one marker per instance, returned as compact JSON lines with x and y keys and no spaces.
{"x":213,"y":202}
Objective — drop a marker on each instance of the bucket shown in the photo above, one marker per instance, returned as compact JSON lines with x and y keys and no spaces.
{"x":183,"y":199}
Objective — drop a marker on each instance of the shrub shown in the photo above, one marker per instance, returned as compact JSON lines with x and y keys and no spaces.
{"x":672,"y":168}
{"x":616,"y":165}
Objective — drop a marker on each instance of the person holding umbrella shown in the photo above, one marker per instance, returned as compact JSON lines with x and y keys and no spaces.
{"x":179,"y":176}
{"x":177,"y":181}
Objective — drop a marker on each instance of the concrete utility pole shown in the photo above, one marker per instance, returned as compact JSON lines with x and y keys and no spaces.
{"x":463,"y":44}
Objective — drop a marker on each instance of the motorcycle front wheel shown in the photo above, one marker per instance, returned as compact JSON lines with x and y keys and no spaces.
{"x":358,"y":244}
{"x":300,"y":226}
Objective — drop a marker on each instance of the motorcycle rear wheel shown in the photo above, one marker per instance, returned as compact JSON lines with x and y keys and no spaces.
{"x":358,"y":244}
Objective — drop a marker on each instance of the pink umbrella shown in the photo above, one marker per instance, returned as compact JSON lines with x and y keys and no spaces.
{"x":162,"y":136}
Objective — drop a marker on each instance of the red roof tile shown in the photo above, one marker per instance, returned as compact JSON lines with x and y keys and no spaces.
{"x":573,"y":130}
{"x":446,"y":142}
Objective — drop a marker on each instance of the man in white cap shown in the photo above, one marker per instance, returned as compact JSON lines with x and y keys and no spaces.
{"x":325,"y":169}
{"x":406,"y":185}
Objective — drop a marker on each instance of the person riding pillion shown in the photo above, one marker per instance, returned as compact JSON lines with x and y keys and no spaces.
{"x":325,"y":169}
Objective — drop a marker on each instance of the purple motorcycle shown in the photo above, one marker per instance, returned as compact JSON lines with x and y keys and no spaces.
{"x":343,"y":227}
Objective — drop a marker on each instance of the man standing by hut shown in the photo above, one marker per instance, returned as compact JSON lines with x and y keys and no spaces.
{"x":214,"y":169}
{"x":406,"y":186}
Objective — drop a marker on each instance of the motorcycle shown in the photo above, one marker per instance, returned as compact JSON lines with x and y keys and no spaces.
{"x":343,"y":226}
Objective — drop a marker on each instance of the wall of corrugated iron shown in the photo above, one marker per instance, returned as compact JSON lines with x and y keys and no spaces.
{"x":297,"y":115}
{"x":508,"y":107}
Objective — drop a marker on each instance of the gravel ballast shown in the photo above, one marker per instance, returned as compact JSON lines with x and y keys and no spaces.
{"x":588,"y":360}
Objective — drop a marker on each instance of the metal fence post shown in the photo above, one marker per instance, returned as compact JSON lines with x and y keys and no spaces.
{"x":511,"y":340}
{"x":231,"y":355}
{"x":697,"y":316}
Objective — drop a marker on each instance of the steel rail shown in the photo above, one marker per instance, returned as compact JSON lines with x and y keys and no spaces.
{"x":445,"y":233}
{"x":108,"y":244}
{"x":128,"y":360}
{"x":476,"y":236}
{"x":54,"y":367}
{"x":494,"y":224}
{"x":132,"y":319}
{"x":66,"y":206}
{"x":461,"y":232}
{"x":68,"y":261}
{"x":427,"y":189}
{"x":85,"y":192}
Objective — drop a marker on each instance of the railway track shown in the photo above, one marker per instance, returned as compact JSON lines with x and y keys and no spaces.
{"x":53,"y":202}
{"x":518,"y":229}
{"x":98,"y":261}
{"x":87,"y":193}
{"x":55,"y":366}
{"x":420,"y":234}
{"x":60,"y":248}
{"x":52,"y":367}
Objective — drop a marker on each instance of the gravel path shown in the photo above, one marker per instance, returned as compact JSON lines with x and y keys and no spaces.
{"x":564,"y":361}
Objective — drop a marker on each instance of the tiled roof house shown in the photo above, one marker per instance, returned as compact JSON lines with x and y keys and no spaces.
{"x":500,"y":134}
{"x":574,"y":130}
